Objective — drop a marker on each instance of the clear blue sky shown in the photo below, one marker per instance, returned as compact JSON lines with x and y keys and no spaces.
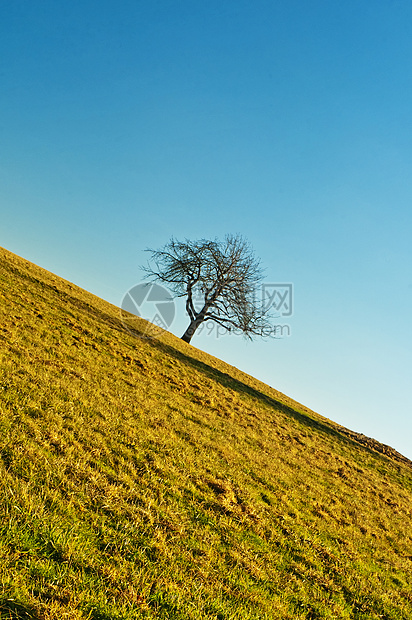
{"x":289,"y":122}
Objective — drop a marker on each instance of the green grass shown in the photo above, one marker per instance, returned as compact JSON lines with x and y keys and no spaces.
{"x":142,"y":478}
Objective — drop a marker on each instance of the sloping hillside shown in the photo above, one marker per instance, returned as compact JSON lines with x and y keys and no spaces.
{"x":142,"y":478}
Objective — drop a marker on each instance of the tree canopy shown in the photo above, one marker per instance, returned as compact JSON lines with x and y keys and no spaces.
{"x":220,"y":280}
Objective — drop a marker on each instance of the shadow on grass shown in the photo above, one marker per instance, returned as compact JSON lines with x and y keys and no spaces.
{"x":228,"y":381}
{"x":342,"y":435}
{"x":12,"y":609}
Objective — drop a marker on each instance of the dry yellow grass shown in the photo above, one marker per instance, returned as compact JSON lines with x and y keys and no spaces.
{"x":142,"y":478}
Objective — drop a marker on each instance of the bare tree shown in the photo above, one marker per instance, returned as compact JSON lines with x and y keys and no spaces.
{"x":219,"y":279}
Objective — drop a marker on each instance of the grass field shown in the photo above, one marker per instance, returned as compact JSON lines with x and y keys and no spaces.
{"x":142,"y":478}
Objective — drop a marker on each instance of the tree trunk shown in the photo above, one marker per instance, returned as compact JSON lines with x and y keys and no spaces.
{"x":187,"y":336}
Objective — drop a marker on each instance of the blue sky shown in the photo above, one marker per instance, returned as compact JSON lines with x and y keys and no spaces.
{"x":288,"y":122}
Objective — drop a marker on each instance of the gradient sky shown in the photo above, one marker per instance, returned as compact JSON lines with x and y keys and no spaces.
{"x":289,"y":122}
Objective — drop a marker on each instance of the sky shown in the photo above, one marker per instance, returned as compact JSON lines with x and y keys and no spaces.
{"x":285,"y":121}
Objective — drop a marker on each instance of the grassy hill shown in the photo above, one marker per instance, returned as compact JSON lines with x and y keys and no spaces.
{"x":142,"y":478}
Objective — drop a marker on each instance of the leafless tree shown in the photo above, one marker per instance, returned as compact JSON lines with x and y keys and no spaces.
{"x":219,"y":279}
